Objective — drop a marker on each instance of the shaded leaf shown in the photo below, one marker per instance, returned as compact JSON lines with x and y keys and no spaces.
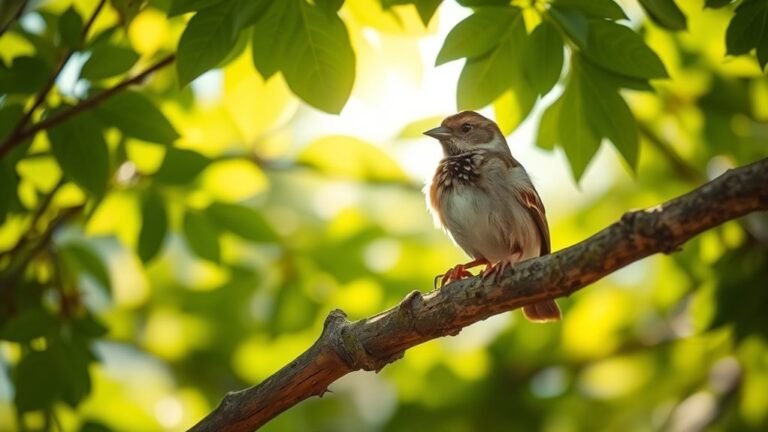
{"x":29,"y":324}
{"x":202,"y":237}
{"x":136,"y":116}
{"x":573,"y":22}
{"x":8,"y":192}
{"x":107,"y":61}
{"x":181,"y":166}
{"x":476,"y":35}
{"x":79,"y":148}
{"x":208,"y":38}
{"x":127,"y":10}
{"x":575,"y":135}
{"x":593,"y":8}
{"x":37,"y":387}
{"x":241,"y":220}
{"x":85,"y":260}
{"x":154,"y":225}
{"x":543,"y":57}
{"x":71,"y":28}
{"x":716,"y":4}
{"x":179,"y":7}
{"x":548,"y":133}
{"x":749,"y":29}
{"x":26,"y":75}
{"x":665,"y":13}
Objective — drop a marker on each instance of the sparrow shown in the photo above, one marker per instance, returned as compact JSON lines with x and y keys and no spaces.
{"x":485,"y":201}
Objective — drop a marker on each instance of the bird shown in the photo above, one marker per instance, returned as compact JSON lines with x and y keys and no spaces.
{"x":485,"y":201}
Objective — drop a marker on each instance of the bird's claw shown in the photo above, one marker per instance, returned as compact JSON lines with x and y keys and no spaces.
{"x":456,"y":273}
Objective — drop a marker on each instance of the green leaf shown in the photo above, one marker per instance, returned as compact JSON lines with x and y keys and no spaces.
{"x":608,"y":114}
{"x":573,"y":22}
{"x":484,"y":79}
{"x":122,"y":111}
{"x":202,"y":237}
{"x":36,"y":385}
{"x":85,"y":260}
{"x":269,"y":43}
{"x":179,"y":7}
{"x":425,"y":8}
{"x":665,"y":13}
{"x":89,"y":326}
{"x":330,"y":6}
{"x":593,"y":8}
{"x":181,"y":166}
{"x":26,"y":75}
{"x":476,"y":35}
{"x":107,"y":61}
{"x":543,"y":57}
{"x":71,"y":28}
{"x":242,"y":221}
{"x":548,"y":136}
{"x":154,"y":225}
{"x":749,"y":29}
{"x":71,"y":360}
{"x":210,"y":35}
{"x":575,"y":135}
{"x":614,"y":79}
{"x":476,"y":3}
{"x":28,"y":324}
{"x":716,"y":4}
{"x":621,"y":50}
{"x":320,"y":64}
{"x":79,"y":147}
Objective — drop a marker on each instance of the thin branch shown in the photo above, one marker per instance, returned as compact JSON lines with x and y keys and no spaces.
{"x":43,"y":94}
{"x":372,"y":343}
{"x":91,"y":102}
{"x":19,"y":12}
{"x":681,"y":166}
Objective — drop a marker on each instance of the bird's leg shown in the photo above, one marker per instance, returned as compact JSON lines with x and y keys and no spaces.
{"x":495,"y":270}
{"x":460,"y":271}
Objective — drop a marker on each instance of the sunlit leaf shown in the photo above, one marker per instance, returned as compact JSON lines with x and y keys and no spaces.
{"x":477,"y":34}
{"x":181,"y":166}
{"x":79,"y":147}
{"x":202,"y":237}
{"x":154,"y":225}
{"x":426,"y":8}
{"x":665,"y":13}
{"x":548,"y":133}
{"x":242,"y":221}
{"x":121,"y":112}
{"x":107,"y":61}
{"x":352,"y":158}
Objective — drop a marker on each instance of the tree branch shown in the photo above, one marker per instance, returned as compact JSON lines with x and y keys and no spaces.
{"x":19,"y":137}
{"x":372,"y":343}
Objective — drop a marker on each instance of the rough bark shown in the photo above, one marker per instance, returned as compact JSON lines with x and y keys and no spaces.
{"x":371,"y":343}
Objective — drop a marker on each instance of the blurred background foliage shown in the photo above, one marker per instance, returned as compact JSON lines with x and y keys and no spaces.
{"x":172,"y":237}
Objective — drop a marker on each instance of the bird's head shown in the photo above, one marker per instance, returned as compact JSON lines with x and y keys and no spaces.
{"x":467,"y":131}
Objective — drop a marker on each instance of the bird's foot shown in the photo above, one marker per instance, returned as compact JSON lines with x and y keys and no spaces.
{"x":494,"y":271}
{"x":459,"y":272}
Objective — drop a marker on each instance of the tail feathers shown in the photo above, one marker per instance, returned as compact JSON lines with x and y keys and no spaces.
{"x":542,"y":312}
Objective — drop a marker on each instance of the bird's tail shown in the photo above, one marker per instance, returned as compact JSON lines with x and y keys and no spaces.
{"x":542,"y":312}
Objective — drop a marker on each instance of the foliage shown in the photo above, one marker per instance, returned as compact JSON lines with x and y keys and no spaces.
{"x":161,"y":246}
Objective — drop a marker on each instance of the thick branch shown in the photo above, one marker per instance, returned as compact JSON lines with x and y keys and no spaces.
{"x":371,"y":343}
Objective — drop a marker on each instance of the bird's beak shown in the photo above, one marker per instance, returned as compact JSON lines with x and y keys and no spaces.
{"x":438,"y":132}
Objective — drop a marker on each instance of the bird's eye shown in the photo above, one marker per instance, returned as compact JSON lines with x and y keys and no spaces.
{"x":466,"y":127}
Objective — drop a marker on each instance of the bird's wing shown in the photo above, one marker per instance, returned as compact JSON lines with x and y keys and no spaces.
{"x":530,"y":200}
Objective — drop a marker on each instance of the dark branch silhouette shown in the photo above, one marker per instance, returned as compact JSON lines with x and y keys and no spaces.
{"x":371,"y":343}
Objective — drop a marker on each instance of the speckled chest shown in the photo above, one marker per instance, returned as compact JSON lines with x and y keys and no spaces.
{"x":460,"y":170}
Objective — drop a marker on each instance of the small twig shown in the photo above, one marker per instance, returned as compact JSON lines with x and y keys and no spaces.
{"x":91,"y":102}
{"x":27,"y":237}
{"x":14,"y":18}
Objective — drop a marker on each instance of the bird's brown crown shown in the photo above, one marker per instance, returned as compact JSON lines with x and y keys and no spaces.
{"x":472,"y":127}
